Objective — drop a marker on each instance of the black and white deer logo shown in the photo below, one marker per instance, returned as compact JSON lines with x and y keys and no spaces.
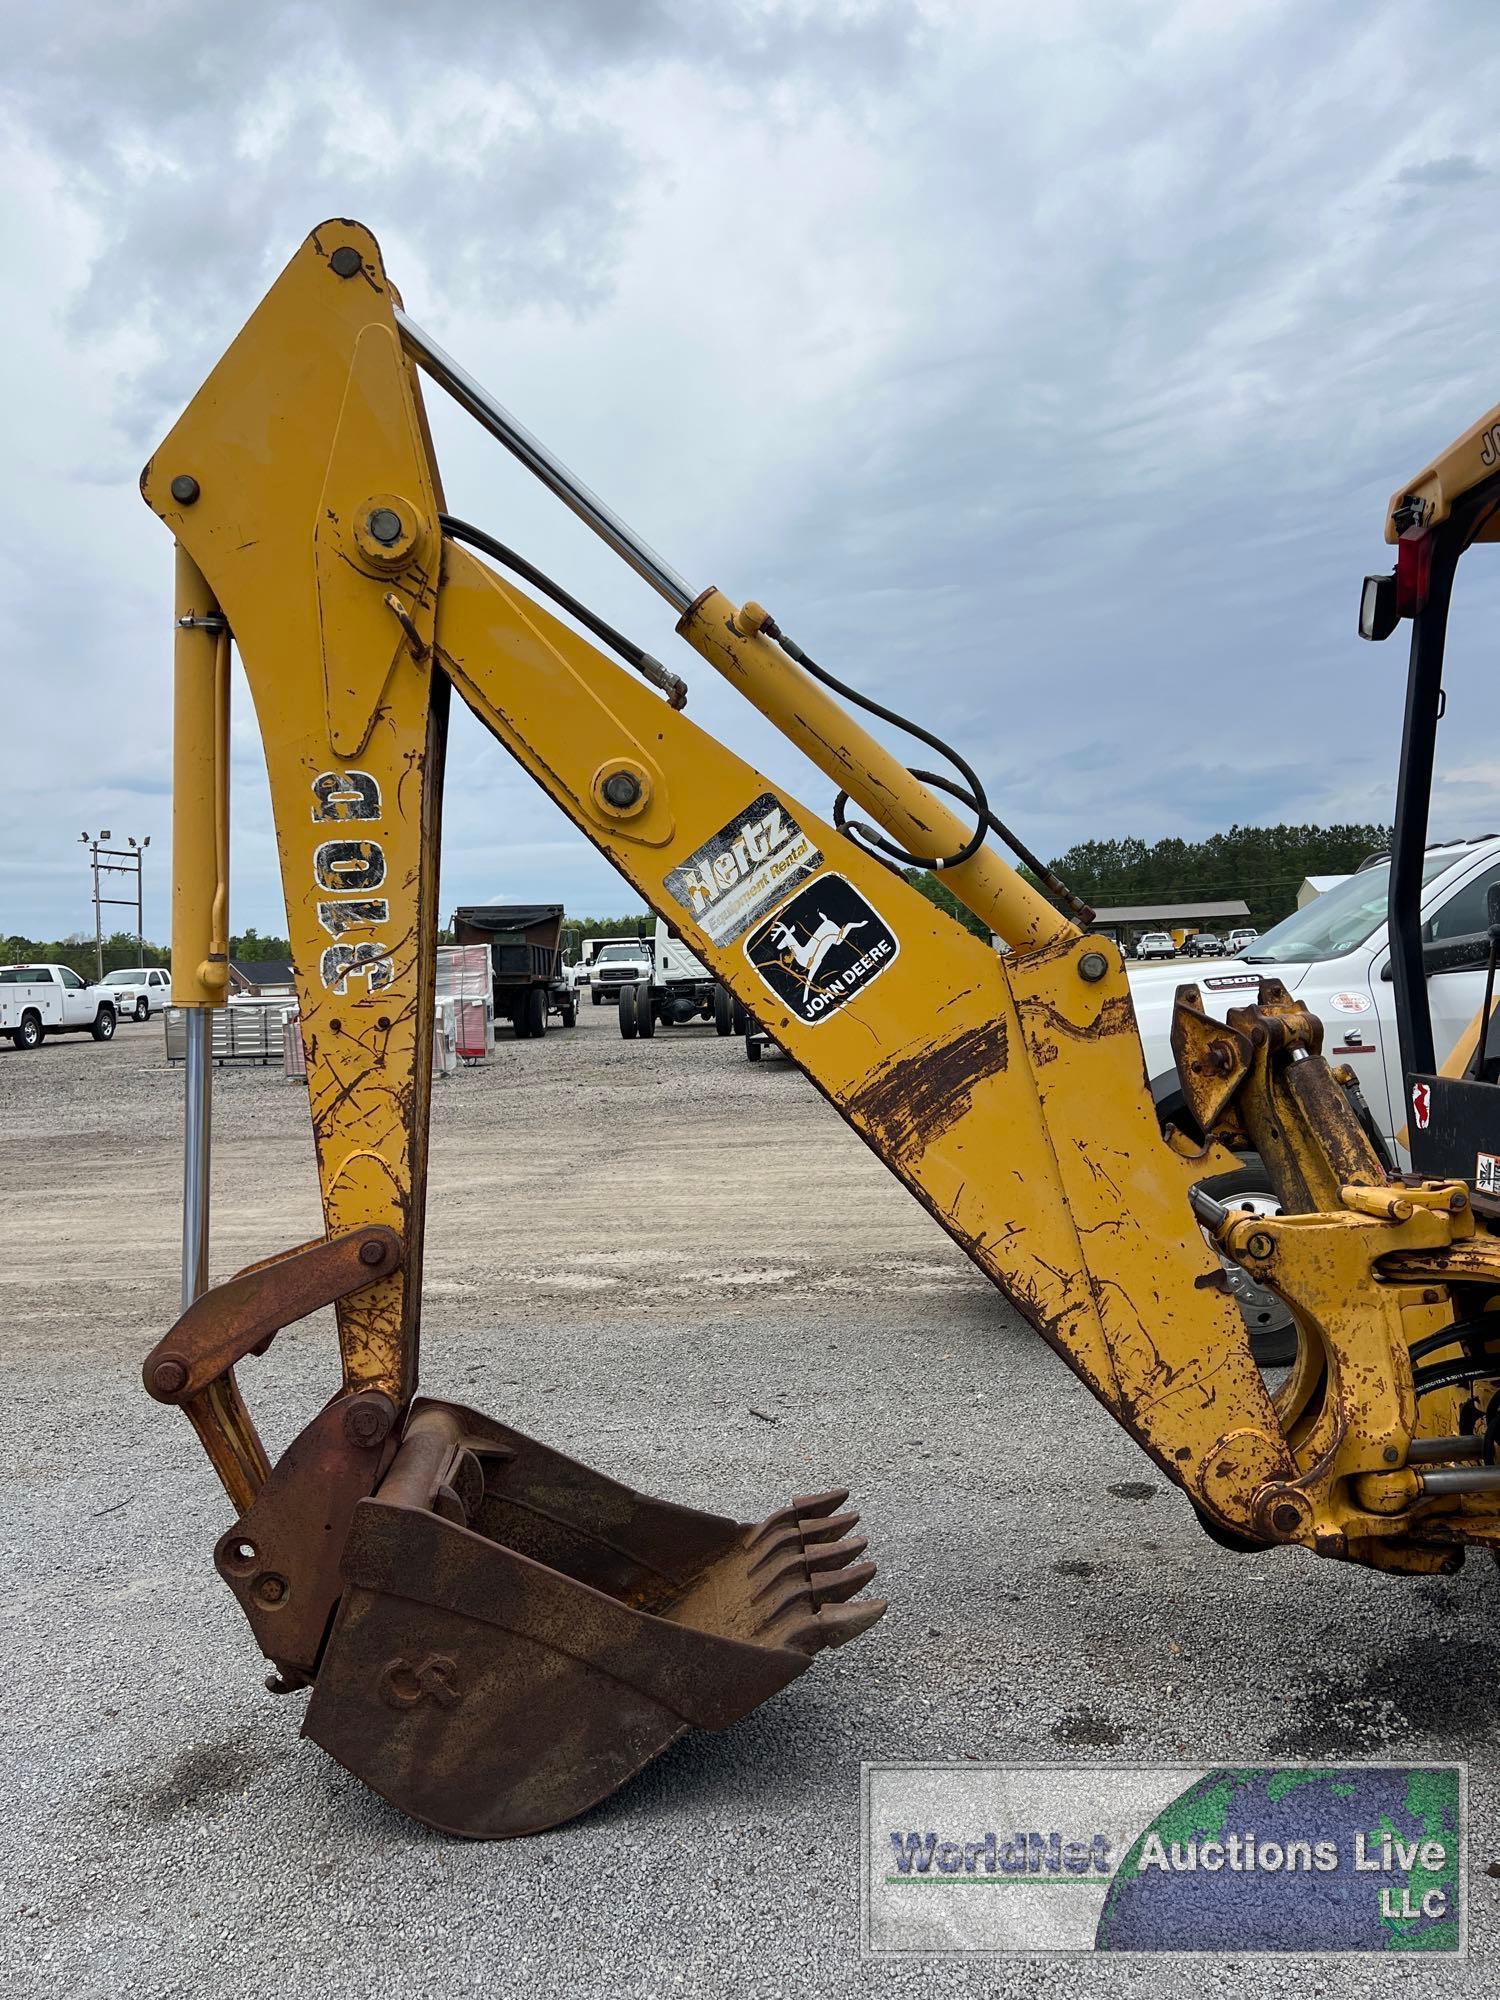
{"x":808,"y":954}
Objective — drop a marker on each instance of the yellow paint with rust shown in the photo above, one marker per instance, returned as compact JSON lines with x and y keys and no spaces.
{"x":1468,"y":462}
{"x":312,"y":402}
{"x":1007,"y":1093}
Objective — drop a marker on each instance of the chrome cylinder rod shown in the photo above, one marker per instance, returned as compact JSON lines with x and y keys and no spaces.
{"x":535,"y":456}
{"x":1452,"y":1479}
{"x":197,"y":1138}
{"x":1423,"y":1451}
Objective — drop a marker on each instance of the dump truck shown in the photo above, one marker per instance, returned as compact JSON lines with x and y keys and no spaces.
{"x":525,"y":941}
{"x":493,"y":1636}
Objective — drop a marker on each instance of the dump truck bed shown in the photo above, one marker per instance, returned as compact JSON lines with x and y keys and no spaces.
{"x":525,"y":939}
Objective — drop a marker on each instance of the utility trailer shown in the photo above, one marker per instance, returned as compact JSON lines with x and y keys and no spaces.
{"x":525,"y":941}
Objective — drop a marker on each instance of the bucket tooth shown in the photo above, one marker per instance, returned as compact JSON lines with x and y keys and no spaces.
{"x":791,"y":1569}
{"x":499,"y":1665}
{"x":843,"y":1584}
{"x":835,"y":1625}
{"x":793,"y":1536}
{"x":835,"y":1555}
{"x":822,"y":1568}
{"x":811,"y":1507}
{"x":830,"y":1528}
{"x":771,"y":1548}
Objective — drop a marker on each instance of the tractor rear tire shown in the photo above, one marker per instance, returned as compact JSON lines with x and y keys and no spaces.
{"x":1268,"y":1319}
{"x":628,"y":1024}
{"x":535,"y":1006}
{"x":645,"y":1012}
{"x":724,"y":1004}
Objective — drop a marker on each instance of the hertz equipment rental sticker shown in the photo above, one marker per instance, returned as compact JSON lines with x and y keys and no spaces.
{"x":1358,"y":1858}
{"x":822,"y":948}
{"x":746,"y":868}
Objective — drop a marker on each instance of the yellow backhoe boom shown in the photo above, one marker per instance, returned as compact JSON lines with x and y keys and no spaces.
{"x":1006,"y":1091}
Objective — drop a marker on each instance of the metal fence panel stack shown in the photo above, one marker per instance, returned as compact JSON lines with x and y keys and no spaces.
{"x":465,"y":974}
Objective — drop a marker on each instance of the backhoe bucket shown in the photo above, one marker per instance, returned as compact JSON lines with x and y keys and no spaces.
{"x":518,"y":1635}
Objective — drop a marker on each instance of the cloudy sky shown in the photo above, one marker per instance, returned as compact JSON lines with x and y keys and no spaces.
{"x":1045,"y":369}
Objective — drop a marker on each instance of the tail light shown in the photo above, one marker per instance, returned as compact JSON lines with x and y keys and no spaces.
{"x":1413,"y":574}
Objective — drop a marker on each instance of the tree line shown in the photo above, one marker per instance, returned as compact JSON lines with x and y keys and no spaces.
{"x":1262,"y":865}
{"x":122,"y":949}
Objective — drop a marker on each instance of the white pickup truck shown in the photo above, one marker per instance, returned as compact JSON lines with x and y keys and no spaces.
{"x":617,"y":962}
{"x":139,"y":991}
{"x":41,"y":1000}
{"x":1334,"y":956}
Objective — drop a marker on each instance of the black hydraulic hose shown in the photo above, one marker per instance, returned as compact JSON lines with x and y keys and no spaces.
{"x":1453,"y":1374}
{"x":1017,"y":846}
{"x":1471,"y":1334}
{"x":977,"y":800}
{"x":633,"y":655}
{"x":973,"y":797}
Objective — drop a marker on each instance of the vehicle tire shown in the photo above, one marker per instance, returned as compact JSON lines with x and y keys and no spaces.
{"x":645,"y":1013}
{"x":1268,"y":1319}
{"x":597,"y":998}
{"x":534,"y":1010}
{"x":103,"y":1029}
{"x":752,"y":1043}
{"x":142,"y":1011}
{"x":741,"y":1017}
{"x":569,"y":1012}
{"x":724,"y":1004}
{"x":31,"y":1034}
{"x":628,"y":1023}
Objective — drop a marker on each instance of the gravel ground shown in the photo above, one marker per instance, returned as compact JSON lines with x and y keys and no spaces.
{"x":633,"y":1248}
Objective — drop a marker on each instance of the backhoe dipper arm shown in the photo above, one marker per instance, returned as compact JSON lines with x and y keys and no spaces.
{"x":1006,"y":1091}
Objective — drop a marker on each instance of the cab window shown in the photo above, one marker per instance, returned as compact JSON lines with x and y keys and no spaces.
{"x":1467,"y":911}
{"x":69,"y":977}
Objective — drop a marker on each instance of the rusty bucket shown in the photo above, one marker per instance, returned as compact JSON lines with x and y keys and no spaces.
{"x":518,"y":1635}
{"x":495,"y":1636}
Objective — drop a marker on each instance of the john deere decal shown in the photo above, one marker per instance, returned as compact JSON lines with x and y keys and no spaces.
{"x":822,"y":948}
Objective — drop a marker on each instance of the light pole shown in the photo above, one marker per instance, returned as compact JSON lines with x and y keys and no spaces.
{"x":129,"y":860}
